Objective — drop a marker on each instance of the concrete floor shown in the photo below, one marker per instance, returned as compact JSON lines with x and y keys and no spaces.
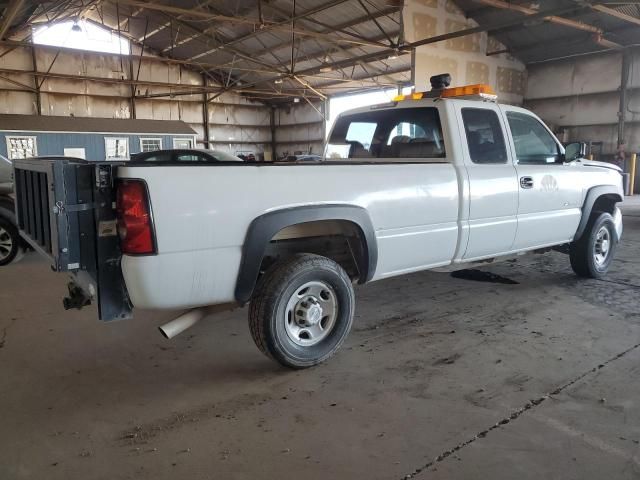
{"x":441,"y":378}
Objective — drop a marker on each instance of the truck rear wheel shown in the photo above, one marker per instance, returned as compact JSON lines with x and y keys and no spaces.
{"x":591,"y":255}
{"x":10,"y":245}
{"x":302,"y":310}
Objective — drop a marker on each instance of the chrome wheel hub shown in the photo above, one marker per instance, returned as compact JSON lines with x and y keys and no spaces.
{"x":602,"y":246}
{"x":311,"y":313}
{"x":6,"y":244}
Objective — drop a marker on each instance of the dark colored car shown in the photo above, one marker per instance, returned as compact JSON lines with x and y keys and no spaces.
{"x":11,"y":245}
{"x":310,"y":157}
{"x":184,"y":156}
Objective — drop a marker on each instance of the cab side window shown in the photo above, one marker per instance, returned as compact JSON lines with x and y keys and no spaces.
{"x":484,"y":136}
{"x":533,"y":142}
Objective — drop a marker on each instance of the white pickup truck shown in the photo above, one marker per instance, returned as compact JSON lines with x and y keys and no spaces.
{"x":433,"y":180}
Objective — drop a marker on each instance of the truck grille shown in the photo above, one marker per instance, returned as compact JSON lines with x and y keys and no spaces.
{"x":33,"y":213}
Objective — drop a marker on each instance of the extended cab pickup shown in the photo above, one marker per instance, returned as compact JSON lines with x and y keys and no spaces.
{"x":436,"y":180}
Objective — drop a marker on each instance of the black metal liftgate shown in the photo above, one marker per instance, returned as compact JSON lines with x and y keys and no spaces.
{"x":65,"y":209}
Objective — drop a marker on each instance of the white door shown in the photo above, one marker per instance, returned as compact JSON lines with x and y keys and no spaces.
{"x":493,"y":189}
{"x":549,"y":191}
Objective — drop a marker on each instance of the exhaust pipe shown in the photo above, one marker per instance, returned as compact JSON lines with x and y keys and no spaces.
{"x":190,"y":318}
{"x":184,"y":321}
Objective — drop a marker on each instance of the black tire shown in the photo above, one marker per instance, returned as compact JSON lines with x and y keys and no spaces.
{"x":583,"y":251}
{"x":270,"y":311}
{"x":10,"y":243}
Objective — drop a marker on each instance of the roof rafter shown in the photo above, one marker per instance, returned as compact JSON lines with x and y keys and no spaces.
{"x":10,"y":13}
{"x":255,"y":22}
{"x":267,"y":28}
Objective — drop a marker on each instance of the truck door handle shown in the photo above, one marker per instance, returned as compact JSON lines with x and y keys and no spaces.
{"x":526,"y":182}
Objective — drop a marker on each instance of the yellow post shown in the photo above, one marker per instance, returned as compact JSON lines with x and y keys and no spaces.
{"x":590,"y":156}
{"x":632,"y":171}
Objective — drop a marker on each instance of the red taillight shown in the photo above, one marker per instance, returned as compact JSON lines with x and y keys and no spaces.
{"x":134,"y":218}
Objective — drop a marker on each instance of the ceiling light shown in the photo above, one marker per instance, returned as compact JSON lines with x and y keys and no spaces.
{"x":277,"y":80}
{"x":75,"y":27}
{"x":296,"y":100}
{"x":326,"y":69}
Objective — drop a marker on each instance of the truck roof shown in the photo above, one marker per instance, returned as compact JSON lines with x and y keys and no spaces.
{"x":478,"y":92}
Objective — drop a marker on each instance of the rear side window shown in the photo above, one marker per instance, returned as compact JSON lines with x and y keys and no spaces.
{"x":396,"y":133}
{"x":484,"y":136}
{"x":533,"y":142}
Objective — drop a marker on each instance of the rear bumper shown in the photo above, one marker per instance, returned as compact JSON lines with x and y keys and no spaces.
{"x":617,"y":221}
{"x":182,"y":279}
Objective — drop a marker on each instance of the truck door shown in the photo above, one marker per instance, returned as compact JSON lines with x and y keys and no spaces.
{"x":493,"y":190}
{"x":549,"y":191}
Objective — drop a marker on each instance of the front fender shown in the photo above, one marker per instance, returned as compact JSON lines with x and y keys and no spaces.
{"x":607,"y":191}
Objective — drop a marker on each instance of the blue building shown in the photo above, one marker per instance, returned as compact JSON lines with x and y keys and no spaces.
{"x":90,"y":138}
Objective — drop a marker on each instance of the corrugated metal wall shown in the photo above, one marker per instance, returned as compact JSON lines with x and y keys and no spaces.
{"x":236,"y":124}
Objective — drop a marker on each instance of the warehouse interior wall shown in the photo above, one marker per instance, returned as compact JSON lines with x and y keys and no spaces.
{"x":465,"y":58}
{"x":299,"y":128}
{"x":49,"y":80}
{"x":579,"y":98}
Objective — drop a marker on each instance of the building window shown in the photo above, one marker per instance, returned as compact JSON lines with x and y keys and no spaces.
{"x":183,"y":143}
{"x":82,"y":35}
{"x":150,"y":144}
{"x":21,"y":147}
{"x":116,"y":148}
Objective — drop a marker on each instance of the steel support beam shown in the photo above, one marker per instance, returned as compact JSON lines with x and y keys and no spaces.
{"x":267,"y":28}
{"x":341,"y":26}
{"x":617,"y":14}
{"x":254,"y":22}
{"x":551,"y":18}
{"x":624,"y":82}
{"x":408,"y":47}
{"x":9,"y":15}
{"x":205,"y":113}
{"x":36,"y":81}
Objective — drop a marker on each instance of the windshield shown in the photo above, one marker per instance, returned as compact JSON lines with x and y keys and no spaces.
{"x":391,"y":133}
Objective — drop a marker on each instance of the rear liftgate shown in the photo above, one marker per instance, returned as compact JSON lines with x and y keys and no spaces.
{"x":65,"y":211}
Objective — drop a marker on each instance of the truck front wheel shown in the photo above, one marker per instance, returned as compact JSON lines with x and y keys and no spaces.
{"x":302,"y":310}
{"x":591,"y":255}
